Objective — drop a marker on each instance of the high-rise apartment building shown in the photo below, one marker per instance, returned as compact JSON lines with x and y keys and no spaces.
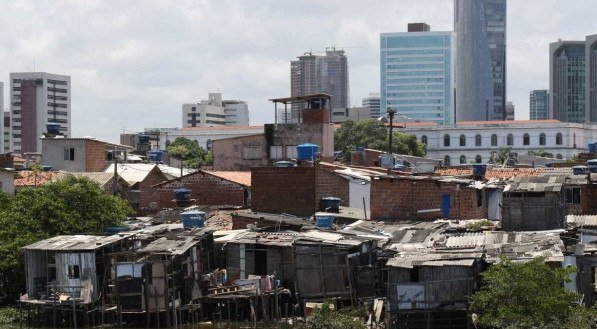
{"x":215,"y":112}
{"x":480,"y":27}
{"x":539,"y":105}
{"x":2,"y":126}
{"x":6,"y":133}
{"x":373,"y":104}
{"x":320,"y":74}
{"x":417,"y":75}
{"x":510,"y":111}
{"x":36,"y":99}
{"x":567,"y":81}
{"x":591,"y":78}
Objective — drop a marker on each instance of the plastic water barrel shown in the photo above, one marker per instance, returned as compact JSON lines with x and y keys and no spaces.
{"x":143,"y":139}
{"x":155,"y":155}
{"x":53,"y":128}
{"x":324,"y":219}
{"x":307,"y":151}
{"x":479,"y":169}
{"x":192,"y":218}
{"x":182,"y":194}
{"x":330,"y":204}
{"x":580,"y":170}
{"x":592,"y":164}
{"x":283,"y":164}
{"x":592,"y":147}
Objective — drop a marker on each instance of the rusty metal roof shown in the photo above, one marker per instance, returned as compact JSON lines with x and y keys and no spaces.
{"x":77,"y":242}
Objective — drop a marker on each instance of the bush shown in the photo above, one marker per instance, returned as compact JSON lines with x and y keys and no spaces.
{"x":9,"y":315}
{"x":326,"y":317}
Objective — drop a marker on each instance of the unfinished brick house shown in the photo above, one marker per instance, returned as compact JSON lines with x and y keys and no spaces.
{"x":78,"y":154}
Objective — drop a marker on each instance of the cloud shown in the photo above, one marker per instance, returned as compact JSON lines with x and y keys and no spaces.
{"x":133,"y":63}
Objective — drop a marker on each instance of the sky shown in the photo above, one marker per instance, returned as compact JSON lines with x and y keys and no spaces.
{"x":134,"y":63}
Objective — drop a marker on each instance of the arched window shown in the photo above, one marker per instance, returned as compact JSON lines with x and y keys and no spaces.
{"x":559,"y":156}
{"x":447,"y":161}
{"x":446,"y":140}
{"x":462,"y":140}
{"x":478,"y":159}
{"x":478,"y":140}
{"x":526,"y":139}
{"x":510,"y":140}
{"x":462,"y":159}
{"x":494,"y":140}
{"x":542,"y":139}
{"x":424,"y":139}
{"x":559,"y":139}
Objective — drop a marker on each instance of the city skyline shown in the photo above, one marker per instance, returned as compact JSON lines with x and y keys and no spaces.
{"x":167,"y":55}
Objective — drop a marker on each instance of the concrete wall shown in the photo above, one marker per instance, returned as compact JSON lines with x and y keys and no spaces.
{"x":53,"y":154}
{"x":402,"y":198}
{"x":236,"y":153}
{"x":7,"y":181}
{"x":296,"y":134}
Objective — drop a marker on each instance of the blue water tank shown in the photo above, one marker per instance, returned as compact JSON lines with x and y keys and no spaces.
{"x":182,"y":194}
{"x":330,"y":204}
{"x":46,"y":168}
{"x":283,"y":164}
{"x":580,"y":170}
{"x":117,"y":229}
{"x":192,"y":218}
{"x":592,"y":147}
{"x":479,"y":169}
{"x":143,"y":139}
{"x":155,"y":155}
{"x":592,"y":164}
{"x":53,"y":128}
{"x":307,"y":151}
{"x":324,"y":219}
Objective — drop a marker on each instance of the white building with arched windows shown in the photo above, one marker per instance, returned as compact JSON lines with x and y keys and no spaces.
{"x":475,"y":141}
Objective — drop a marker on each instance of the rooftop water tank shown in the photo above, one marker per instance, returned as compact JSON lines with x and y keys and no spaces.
{"x":479,"y":169}
{"x":307,"y":151}
{"x":580,"y":170}
{"x":283,"y":164}
{"x":592,"y":164}
{"x":155,"y":155}
{"x":425,"y":167}
{"x":182,"y":194}
{"x":143,"y":139}
{"x":192,"y":218}
{"x":53,"y":128}
{"x":317,"y":104}
{"x":330,"y":204}
{"x":47,"y":168}
{"x":386,"y":161}
{"x":324,"y":219}
{"x":117,"y":229}
{"x":592,"y":147}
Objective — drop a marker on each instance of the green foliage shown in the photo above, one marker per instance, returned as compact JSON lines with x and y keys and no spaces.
{"x":9,"y":315}
{"x":373,"y":135}
{"x":328,"y":318}
{"x":502,"y":154}
{"x":478,"y":225}
{"x":73,"y":205}
{"x":528,"y":295}
{"x":540,"y":153}
{"x":192,"y":155}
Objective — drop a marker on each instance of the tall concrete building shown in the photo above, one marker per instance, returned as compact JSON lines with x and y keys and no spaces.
{"x":480,"y":27}
{"x":3,"y":148}
{"x":510,"y":111}
{"x":539,"y":105}
{"x":567,"y":81}
{"x":215,"y":112}
{"x":36,"y":99}
{"x":417,"y":74}
{"x":591,"y":78}
{"x":6,"y":133}
{"x":373,"y":104}
{"x":320,"y":74}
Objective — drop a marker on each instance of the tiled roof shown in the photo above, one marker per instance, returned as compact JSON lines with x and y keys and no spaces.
{"x":504,"y":173}
{"x":239,"y":177}
{"x":512,"y":122}
{"x":28,"y":178}
{"x":101,"y":178}
{"x":222,"y":128}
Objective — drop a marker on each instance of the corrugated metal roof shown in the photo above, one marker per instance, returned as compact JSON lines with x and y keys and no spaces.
{"x":101,"y":178}
{"x":582,"y":220}
{"x":170,"y":246}
{"x":77,"y":242}
{"x":239,"y":177}
{"x":132,"y":173}
{"x":469,"y":240}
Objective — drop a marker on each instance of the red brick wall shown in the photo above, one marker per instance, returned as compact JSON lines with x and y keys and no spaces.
{"x":328,"y":183}
{"x":206,"y":190}
{"x":400,"y":199}
{"x":366,"y":158}
{"x":283,"y":190}
{"x":588,"y":200}
{"x":95,"y":157}
{"x":316,"y":116}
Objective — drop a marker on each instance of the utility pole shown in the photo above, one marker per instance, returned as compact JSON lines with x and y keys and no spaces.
{"x":391,"y":114}
{"x":115,"y":172}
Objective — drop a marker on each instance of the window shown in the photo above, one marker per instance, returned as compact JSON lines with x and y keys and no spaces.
{"x":447,"y":161}
{"x":462,"y":140}
{"x":69,"y":154}
{"x":73,"y":272}
{"x":559,"y":139}
{"x":510,"y":140}
{"x":462,"y":159}
{"x":542,"y":139}
{"x":479,"y":198}
{"x":291,"y":152}
{"x":572,"y":195}
{"x":275,"y":152}
{"x":424,"y":139}
{"x":478,"y":159}
{"x":526,"y":139}
{"x":446,"y":140}
{"x":478,"y":140}
{"x":494,"y":140}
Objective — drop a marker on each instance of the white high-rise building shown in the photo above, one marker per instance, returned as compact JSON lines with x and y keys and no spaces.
{"x":36,"y":99}
{"x":215,"y":112}
{"x":6,"y":133}
{"x":373,"y":104}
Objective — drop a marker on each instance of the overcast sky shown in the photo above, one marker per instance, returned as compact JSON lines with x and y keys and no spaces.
{"x":133,"y":63}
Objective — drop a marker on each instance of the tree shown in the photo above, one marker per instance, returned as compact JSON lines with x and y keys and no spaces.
{"x":189,"y":151}
{"x":503,"y":154}
{"x":526,"y":295}
{"x":540,"y":153}
{"x":325,"y":317}
{"x":73,"y":205}
{"x":373,"y":135}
